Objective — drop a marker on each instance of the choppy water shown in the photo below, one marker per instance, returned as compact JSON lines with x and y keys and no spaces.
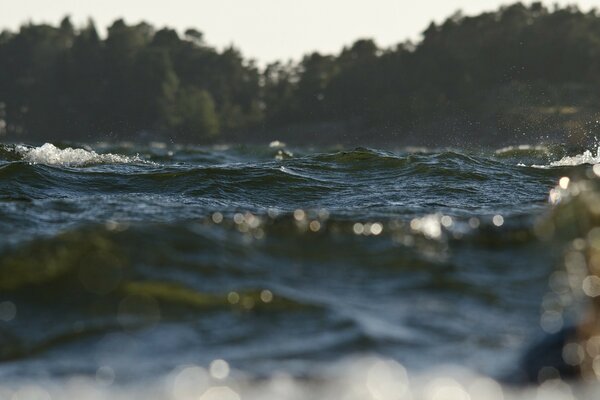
{"x":127,"y":270}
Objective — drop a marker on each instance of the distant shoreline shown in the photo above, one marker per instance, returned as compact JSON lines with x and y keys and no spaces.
{"x":520,"y":74}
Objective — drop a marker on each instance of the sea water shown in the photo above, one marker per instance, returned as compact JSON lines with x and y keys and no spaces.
{"x":163,"y":271}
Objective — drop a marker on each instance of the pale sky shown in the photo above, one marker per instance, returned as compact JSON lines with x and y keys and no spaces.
{"x":265,"y":30}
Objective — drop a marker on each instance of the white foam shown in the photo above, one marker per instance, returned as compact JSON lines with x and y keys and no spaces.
{"x":51,"y":155}
{"x":587,"y":157}
{"x":361,"y":379}
{"x":277,"y":144}
{"x":521,"y":147}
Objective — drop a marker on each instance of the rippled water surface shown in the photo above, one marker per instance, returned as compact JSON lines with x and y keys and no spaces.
{"x":301,"y":271}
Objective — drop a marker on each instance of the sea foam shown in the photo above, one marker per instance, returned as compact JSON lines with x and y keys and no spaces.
{"x":587,"y":157}
{"x":51,"y":155}
{"x":362,"y":379}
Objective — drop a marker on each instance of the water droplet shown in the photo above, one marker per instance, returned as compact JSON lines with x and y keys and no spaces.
{"x":233,"y":298}
{"x":266,"y":296}
{"x":376,"y":228}
{"x":217,"y":218}
{"x":314,"y":226}
{"x":498,"y":220}
{"x":299,"y":215}
{"x":219,"y":369}
{"x":358,"y":228}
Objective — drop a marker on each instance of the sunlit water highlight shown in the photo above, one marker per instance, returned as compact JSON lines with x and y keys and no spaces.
{"x":234,"y":272}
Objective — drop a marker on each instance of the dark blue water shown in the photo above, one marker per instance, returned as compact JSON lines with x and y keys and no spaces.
{"x":121,"y":264}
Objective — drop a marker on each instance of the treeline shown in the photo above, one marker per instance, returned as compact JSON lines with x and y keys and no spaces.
{"x":501,"y":76}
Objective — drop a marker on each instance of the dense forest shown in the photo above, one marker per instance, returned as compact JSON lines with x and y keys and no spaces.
{"x":522,"y":73}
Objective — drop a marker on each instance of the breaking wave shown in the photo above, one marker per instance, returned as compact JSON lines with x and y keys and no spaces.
{"x":587,"y":157}
{"x":49,"y":154}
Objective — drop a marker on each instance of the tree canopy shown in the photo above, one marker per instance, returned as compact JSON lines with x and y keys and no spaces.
{"x":499,"y":76}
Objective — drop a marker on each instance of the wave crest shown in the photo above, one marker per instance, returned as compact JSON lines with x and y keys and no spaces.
{"x":51,"y":155}
{"x":587,"y":157}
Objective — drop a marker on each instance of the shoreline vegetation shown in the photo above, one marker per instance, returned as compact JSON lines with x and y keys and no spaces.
{"x":520,"y":74}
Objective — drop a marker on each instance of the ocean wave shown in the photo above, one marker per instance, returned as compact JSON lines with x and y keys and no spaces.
{"x":244,"y":255}
{"x":587,"y":157}
{"x":49,"y":154}
{"x":184,"y":277}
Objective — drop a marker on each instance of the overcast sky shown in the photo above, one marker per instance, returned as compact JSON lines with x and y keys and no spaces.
{"x":265,"y":30}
